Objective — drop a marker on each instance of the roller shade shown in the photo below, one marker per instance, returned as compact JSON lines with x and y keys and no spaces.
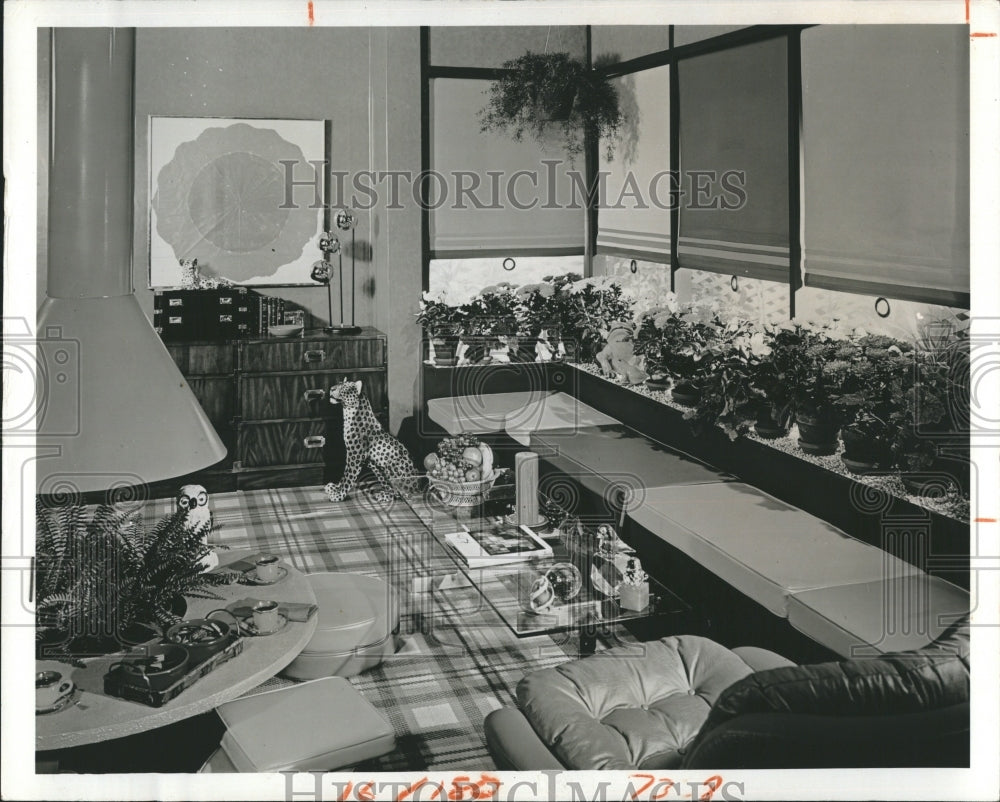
{"x":641,"y":226}
{"x":491,"y":225}
{"x":886,"y":160}
{"x":734,"y":117}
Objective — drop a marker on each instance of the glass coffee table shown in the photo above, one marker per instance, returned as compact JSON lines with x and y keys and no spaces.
{"x":506,"y":586}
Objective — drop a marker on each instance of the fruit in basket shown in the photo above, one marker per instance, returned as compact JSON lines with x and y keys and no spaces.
{"x":473,"y":475}
{"x":430,"y":461}
{"x":473,"y":456}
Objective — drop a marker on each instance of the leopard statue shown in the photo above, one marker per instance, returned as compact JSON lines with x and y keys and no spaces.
{"x":367,"y":444}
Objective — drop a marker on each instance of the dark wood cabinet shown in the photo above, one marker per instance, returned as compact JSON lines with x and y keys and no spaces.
{"x":268,"y":400}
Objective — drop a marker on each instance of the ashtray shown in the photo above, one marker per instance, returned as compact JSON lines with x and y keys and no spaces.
{"x":250,"y":628}
{"x":68,"y":700}
{"x":285,"y":330}
{"x":251,"y":578}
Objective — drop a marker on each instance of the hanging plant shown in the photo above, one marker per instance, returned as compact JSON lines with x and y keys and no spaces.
{"x":545,"y":93}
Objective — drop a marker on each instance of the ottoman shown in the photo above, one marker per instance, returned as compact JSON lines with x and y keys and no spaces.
{"x":356,"y":627}
{"x":303,"y":728}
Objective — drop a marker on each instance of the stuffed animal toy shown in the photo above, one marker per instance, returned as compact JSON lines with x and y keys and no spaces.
{"x":194,"y":499}
{"x":617,"y":358}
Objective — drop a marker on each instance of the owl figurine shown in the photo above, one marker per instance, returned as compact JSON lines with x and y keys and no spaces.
{"x":194,"y":499}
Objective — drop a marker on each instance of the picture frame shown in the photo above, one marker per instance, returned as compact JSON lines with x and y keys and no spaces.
{"x":245,"y":197}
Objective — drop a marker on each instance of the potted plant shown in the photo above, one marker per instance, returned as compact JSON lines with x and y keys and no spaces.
{"x":648,"y":343}
{"x":442,"y":323}
{"x":489,"y":320}
{"x":728,"y":395}
{"x":592,"y":307}
{"x":545,"y":93}
{"x":108,"y":580}
{"x":870,"y":398}
{"x":923,"y":412}
{"x":677,"y":344}
{"x":818,"y":380}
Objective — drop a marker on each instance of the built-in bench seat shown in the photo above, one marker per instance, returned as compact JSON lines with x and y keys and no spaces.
{"x":839,"y":591}
{"x":766,"y":549}
{"x":606,"y":458}
{"x":886,"y":615}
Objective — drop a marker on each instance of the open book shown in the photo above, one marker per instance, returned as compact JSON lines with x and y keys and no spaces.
{"x":498,"y":545}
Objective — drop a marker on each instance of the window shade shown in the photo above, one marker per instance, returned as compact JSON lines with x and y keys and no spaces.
{"x":641,"y":227}
{"x":886,"y":160}
{"x":497,"y":227}
{"x":734,"y":117}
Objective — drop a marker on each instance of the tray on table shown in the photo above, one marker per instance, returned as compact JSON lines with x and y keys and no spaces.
{"x":117,"y":682}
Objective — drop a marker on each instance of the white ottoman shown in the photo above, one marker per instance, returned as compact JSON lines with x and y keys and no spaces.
{"x":356,"y":628}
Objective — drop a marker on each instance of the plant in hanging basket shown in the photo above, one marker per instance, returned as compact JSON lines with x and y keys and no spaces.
{"x":99,"y":580}
{"x":544,"y":93}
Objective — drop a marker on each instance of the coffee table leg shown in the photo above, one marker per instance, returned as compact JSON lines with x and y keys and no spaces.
{"x":588,"y":640}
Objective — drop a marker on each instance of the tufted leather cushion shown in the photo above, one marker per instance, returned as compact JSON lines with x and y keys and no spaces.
{"x":934,"y":677}
{"x":630,"y":706}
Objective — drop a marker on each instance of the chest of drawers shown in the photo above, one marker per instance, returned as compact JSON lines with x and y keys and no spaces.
{"x":268,"y":400}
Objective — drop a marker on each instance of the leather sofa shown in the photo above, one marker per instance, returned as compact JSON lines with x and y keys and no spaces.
{"x":687,"y":702}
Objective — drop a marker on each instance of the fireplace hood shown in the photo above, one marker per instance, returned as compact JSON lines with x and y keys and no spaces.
{"x":113,"y":409}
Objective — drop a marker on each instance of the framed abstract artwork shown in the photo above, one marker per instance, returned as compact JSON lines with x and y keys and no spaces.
{"x":245,"y":197}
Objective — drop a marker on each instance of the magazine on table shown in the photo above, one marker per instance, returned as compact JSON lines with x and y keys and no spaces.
{"x":498,"y":544}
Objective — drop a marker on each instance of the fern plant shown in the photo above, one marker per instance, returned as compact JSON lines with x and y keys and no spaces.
{"x":98,"y":578}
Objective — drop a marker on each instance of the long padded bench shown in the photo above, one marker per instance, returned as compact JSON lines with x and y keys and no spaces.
{"x":842,"y":593}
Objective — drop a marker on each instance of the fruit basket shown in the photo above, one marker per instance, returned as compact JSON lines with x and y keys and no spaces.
{"x":463,"y":494}
{"x":460,"y":471}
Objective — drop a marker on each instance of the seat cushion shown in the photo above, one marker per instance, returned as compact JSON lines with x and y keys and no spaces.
{"x":891,"y":615}
{"x":631,"y":706}
{"x":354,"y":631}
{"x":557,"y":412}
{"x":316,"y":726}
{"x":766,"y":549}
{"x":601,"y":457}
{"x":481,"y":413}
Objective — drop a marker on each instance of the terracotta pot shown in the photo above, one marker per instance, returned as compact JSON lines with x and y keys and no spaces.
{"x":766,"y":425}
{"x":445,"y":348}
{"x":686,"y":393}
{"x":862,"y":452}
{"x":817,"y":434}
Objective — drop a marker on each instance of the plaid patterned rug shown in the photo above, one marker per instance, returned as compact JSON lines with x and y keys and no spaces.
{"x":458,"y":660}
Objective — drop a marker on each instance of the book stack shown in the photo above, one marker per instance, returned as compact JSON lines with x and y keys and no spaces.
{"x":269,"y":312}
{"x":499,"y":544}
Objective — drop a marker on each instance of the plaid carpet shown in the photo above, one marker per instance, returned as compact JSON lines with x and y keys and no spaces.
{"x":458,"y":660}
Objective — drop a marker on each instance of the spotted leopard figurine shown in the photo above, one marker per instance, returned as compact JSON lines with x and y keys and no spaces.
{"x":367,"y":444}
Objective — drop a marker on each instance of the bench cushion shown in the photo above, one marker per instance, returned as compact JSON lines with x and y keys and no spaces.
{"x":766,"y":549}
{"x":558,"y":412}
{"x":479,"y":414}
{"x":602,"y":456}
{"x":630,"y":706}
{"x":867,"y":618}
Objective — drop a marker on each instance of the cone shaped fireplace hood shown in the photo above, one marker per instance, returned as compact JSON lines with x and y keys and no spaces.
{"x":113,"y":409}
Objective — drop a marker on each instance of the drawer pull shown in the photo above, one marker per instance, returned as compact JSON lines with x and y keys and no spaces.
{"x":313,"y":395}
{"x":314,"y":441}
{"x":314,"y":356}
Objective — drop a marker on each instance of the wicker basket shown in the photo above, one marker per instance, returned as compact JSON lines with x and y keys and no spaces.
{"x":462,"y":494}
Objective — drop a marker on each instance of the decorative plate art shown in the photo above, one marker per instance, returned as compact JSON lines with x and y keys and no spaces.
{"x":243,"y":197}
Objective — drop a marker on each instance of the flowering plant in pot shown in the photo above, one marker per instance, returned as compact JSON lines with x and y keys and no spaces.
{"x":442,"y":323}
{"x":869,"y":400}
{"x":782,"y":367}
{"x":555,"y":312}
{"x":680,"y":344}
{"x":825,"y":361}
{"x":490,"y":319}
{"x":729,"y":396}
{"x":594,"y":306}
{"x":924,"y":410}
{"x":534,"y":319}
{"x":546,"y":94}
